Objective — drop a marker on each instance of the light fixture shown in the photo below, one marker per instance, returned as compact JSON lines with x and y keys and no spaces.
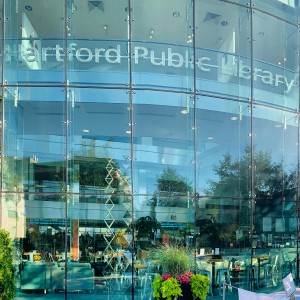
{"x":86,"y":130}
{"x":128,"y":131}
{"x":28,"y":7}
{"x":234,"y":118}
{"x":210,"y":138}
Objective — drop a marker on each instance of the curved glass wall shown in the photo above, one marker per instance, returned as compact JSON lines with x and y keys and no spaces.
{"x":129,"y":125}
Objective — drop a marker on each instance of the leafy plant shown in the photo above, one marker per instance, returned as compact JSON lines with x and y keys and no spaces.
{"x":7,"y":278}
{"x":157,"y":282}
{"x":173,"y":260}
{"x":171,"y":289}
{"x":199,"y":285}
{"x":176,"y":263}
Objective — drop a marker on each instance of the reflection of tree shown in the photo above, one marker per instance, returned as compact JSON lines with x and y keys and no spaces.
{"x":170,"y":187}
{"x":146,"y":226}
{"x":271,"y":181}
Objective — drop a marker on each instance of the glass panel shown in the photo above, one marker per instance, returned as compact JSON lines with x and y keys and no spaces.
{"x":276,"y":61}
{"x":34,"y":155}
{"x":222,"y":49}
{"x":33,"y":42}
{"x":100,"y":206}
{"x":162,"y":55}
{"x":284,"y":9}
{"x":275,"y":179}
{"x":42,"y":243}
{"x":163,"y":143}
{"x":223,"y":152}
{"x":98,"y":56}
{"x":161,"y":220}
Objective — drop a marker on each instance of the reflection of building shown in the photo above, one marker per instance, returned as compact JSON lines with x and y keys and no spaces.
{"x":109,"y":115}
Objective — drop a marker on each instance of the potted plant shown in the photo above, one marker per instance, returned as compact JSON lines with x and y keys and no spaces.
{"x":177,"y":281}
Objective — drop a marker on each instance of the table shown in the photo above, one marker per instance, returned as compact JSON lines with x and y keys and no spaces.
{"x":213,"y":259}
{"x":259,"y":259}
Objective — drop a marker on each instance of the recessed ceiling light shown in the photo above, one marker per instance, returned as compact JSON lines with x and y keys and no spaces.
{"x":210,"y":138}
{"x":128,"y":131}
{"x":233,"y":118}
{"x":176,"y":14}
{"x":28,"y":7}
{"x":184,"y":111}
{"x":85,"y":130}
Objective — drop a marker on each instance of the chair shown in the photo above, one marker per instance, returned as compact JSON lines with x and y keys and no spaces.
{"x":223,"y":274}
{"x":271,"y":271}
{"x":251,"y":274}
{"x":287,"y":266}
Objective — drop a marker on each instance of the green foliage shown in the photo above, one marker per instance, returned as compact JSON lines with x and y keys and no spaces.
{"x":7,"y":278}
{"x":200,"y":286}
{"x":172,"y":182}
{"x":173,"y":260}
{"x":157,"y":283}
{"x":171,"y":289}
{"x":145,"y":226}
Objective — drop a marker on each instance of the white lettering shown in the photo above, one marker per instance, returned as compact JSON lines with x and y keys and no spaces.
{"x":58,"y":53}
{"x":117,"y":58}
{"x":137,"y":54}
{"x":171,"y":59}
{"x":79,"y":55}
{"x":162,"y":61}
{"x":31,"y":55}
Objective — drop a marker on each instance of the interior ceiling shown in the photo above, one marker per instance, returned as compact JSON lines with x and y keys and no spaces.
{"x":215,"y":20}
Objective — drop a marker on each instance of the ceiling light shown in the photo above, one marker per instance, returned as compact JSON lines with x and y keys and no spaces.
{"x":128,"y":131}
{"x":28,"y":7}
{"x":278,"y":125}
{"x":210,"y":138}
{"x":234,"y":118}
{"x":176,"y":14}
{"x":86,"y":130}
{"x":184,"y":112}
{"x":279,"y":63}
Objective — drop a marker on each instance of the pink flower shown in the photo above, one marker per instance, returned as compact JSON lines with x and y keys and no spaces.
{"x":166,"y":276}
{"x":188,"y":273}
{"x":184,"y":279}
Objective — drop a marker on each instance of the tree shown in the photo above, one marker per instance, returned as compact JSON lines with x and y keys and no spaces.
{"x":270,"y":179}
{"x":273,"y":185}
{"x":171,"y":189}
{"x":7,"y":278}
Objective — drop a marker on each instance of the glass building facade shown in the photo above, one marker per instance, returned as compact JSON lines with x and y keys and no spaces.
{"x":128,"y":124}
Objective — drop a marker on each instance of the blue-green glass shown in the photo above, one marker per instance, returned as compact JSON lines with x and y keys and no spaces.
{"x":97,"y":43}
{"x":34,"y":155}
{"x":162,"y":55}
{"x":222,"y":38}
{"x":223,"y":146}
{"x":34,"y":42}
{"x":284,"y":9}
{"x":275,"y":61}
{"x":163,"y":146}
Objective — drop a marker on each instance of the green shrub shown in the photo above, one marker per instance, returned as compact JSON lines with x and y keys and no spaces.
{"x":7,"y":278}
{"x":173,"y":260}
